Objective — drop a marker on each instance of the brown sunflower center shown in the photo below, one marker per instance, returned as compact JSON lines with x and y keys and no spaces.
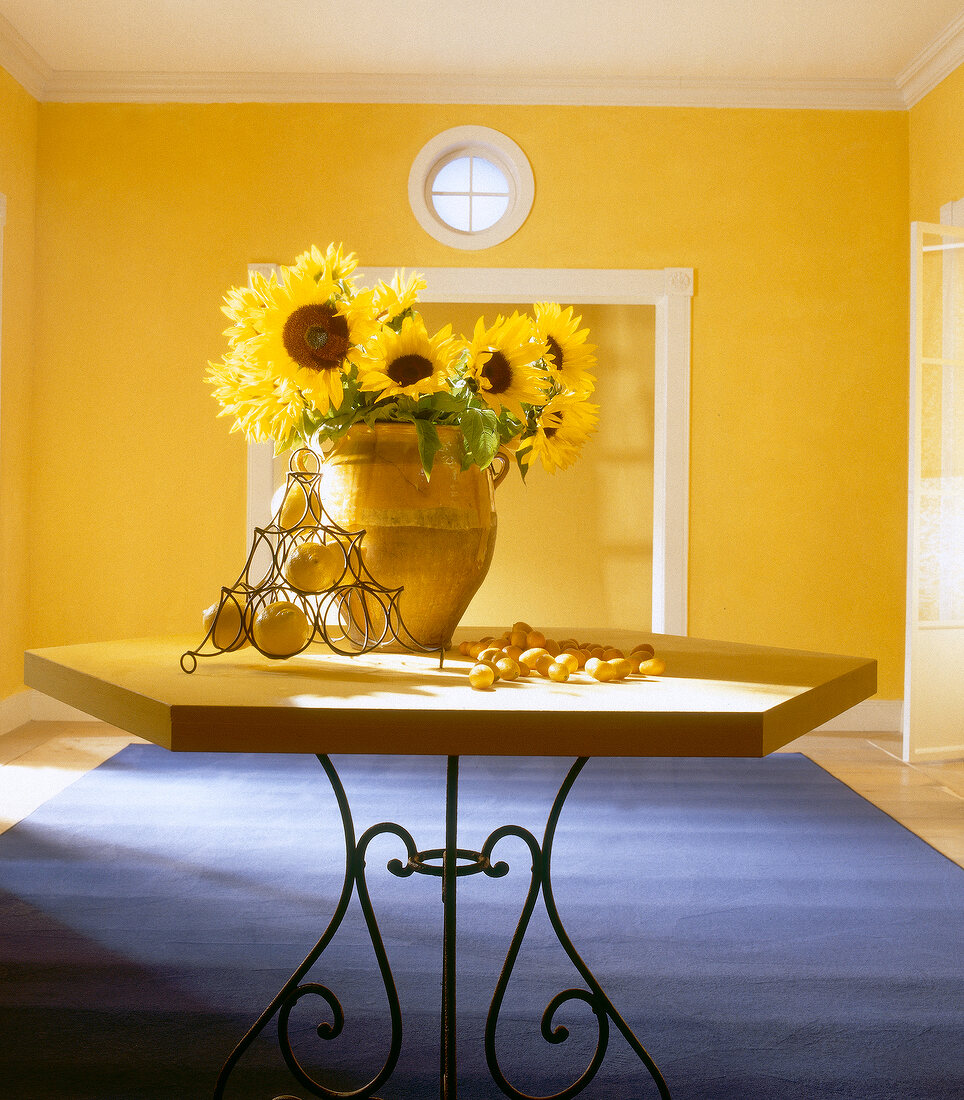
{"x":316,"y":337}
{"x":556,"y":352}
{"x":498,"y":373}
{"x":406,"y":370}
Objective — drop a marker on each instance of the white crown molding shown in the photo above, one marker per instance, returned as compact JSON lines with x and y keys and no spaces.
{"x":79,"y":87}
{"x":37,"y":77}
{"x":933,"y":64}
{"x":22,"y":61}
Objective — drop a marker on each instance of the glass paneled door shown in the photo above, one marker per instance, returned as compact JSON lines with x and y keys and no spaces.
{"x":934,"y":678}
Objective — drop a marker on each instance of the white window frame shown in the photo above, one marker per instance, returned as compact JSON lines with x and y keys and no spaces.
{"x":670,"y":291}
{"x":471,"y":141}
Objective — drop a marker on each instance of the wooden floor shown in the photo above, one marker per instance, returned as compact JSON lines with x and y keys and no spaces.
{"x":41,"y":758}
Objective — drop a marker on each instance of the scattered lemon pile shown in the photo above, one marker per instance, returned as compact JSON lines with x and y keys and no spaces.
{"x":523,"y":651}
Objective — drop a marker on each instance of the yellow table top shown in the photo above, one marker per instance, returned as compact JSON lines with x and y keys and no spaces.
{"x":715,"y":699}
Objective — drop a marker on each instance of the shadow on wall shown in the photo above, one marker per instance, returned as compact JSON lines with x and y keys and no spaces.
{"x":577,"y":545}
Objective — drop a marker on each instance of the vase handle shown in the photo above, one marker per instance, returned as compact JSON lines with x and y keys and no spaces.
{"x":499,"y":471}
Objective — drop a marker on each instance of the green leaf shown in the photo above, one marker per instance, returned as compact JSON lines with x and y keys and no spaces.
{"x":428,"y":444}
{"x":383,"y":410}
{"x":461,"y":390}
{"x":471,"y":424}
{"x":440,"y":404}
{"x":509,"y":427}
{"x":334,"y":427}
{"x":404,"y":408}
{"x":523,"y":466}
{"x":480,"y":435}
{"x":395,"y":324}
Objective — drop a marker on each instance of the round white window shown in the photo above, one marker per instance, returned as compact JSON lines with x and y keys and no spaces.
{"x":471,"y":187}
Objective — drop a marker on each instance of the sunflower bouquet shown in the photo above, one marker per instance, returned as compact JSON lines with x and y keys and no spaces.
{"x":311,"y":354}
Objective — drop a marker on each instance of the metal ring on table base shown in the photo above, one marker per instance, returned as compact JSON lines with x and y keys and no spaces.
{"x":449,"y":869}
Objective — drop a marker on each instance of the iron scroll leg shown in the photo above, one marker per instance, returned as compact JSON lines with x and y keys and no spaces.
{"x":337,"y":917}
{"x":593,"y":995}
{"x":294,"y":989}
{"x":449,"y":870}
{"x":587,"y":975}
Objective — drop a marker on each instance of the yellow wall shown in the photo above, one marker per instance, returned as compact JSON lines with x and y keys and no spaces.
{"x":18,"y":154}
{"x":936,"y":149}
{"x":795,"y":222}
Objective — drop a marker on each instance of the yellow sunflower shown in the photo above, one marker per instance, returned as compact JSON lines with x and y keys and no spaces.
{"x":263,"y":407}
{"x":397,"y":297}
{"x":569,"y":353}
{"x":409,"y":361}
{"x":333,"y":264}
{"x":502,"y":360}
{"x":245,"y":306}
{"x":564,"y":425}
{"x":312,"y":336}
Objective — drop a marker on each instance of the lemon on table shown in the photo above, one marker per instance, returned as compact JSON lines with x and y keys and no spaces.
{"x":314,"y":566}
{"x":531,"y":657}
{"x":569,"y":659}
{"x":622,"y":667}
{"x":226,"y":619}
{"x":281,"y":629}
{"x":507,"y":668}
{"x":482,"y":676}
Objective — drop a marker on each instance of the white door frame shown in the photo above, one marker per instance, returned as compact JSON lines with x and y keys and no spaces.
{"x":933,"y":699}
{"x":670,"y":291}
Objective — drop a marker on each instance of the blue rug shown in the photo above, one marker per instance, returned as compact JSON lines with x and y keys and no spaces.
{"x":767,"y":933}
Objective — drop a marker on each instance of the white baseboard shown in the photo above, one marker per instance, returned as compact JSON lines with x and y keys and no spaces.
{"x":941,"y":754}
{"x":34,"y":706}
{"x":14,"y":711}
{"x":870,"y":716}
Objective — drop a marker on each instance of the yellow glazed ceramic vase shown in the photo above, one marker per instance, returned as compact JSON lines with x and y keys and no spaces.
{"x":433,"y":537}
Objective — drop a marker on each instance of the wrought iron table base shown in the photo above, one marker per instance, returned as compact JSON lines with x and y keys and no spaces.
{"x":448,"y":867}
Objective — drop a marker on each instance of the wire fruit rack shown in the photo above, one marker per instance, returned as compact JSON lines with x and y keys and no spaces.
{"x":349,"y":610}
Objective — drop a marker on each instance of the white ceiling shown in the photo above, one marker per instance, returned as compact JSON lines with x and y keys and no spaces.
{"x":559,"y":50}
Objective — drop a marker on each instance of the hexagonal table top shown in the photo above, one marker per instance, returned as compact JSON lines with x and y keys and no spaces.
{"x":715,"y":699}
